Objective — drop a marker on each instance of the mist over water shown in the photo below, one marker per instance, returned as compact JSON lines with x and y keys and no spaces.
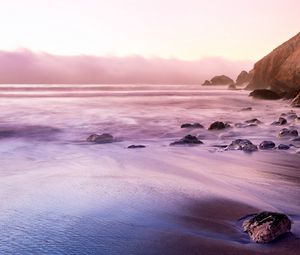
{"x":62,"y":195}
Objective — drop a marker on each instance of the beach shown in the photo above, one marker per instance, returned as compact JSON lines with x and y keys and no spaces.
{"x":63,"y":195}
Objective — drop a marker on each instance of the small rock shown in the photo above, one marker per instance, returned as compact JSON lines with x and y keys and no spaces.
{"x":288,"y":133}
{"x":283,"y":147}
{"x":254,"y":121}
{"x":290,"y":115}
{"x":242,"y":144}
{"x":266,"y":145}
{"x":281,"y":121}
{"x":267,"y":226}
{"x":104,"y":138}
{"x":188,"y":139}
{"x":191,"y":125}
{"x":136,"y":146}
{"x":218,"y":125}
{"x":246,"y":109}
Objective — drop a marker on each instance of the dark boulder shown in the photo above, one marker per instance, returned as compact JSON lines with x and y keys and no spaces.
{"x":218,"y":125}
{"x":189,"y":140}
{"x":104,"y":138}
{"x":191,"y":125}
{"x":265,"y":94}
{"x":267,"y":226}
{"x":267,"y":145}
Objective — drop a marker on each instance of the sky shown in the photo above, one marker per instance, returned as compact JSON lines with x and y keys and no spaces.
{"x":183,"y":29}
{"x":187,"y":30}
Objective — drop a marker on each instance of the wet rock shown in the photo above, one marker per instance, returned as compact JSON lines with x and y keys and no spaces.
{"x":188,"y":139}
{"x":191,"y":125}
{"x":253,"y":121}
{"x":288,"y":133}
{"x":139,"y":146}
{"x":246,"y":109}
{"x":280,"y":122}
{"x":242,"y":144}
{"x":267,"y":145}
{"x":267,"y":226}
{"x":104,"y":138}
{"x":206,"y":83}
{"x":283,"y":147}
{"x":218,"y":125}
{"x":265,"y":94}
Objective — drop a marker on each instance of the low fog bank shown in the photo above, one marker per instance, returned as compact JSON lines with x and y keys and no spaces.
{"x":25,"y":66}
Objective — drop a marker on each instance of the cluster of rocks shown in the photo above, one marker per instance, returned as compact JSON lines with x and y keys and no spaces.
{"x":238,"y":144}
{"x":243,"y":78}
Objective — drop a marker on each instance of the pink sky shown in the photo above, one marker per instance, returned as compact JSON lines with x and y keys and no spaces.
{"x":187,"y":39}
{"x":183,"y":29}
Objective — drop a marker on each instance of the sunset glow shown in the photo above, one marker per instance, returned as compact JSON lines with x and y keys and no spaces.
{"x":188,"y":30}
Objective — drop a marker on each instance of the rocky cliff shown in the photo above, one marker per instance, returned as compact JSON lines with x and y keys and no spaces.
{"x":279,"y":70}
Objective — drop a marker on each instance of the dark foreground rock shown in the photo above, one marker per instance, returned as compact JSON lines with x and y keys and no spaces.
{"x":218,"y":125}
{"x":288,"y":133}
{"x":191,"y":125}
{"x":267,"y":226}
{"x":104,"y":138}
{"x":265,"y":94}
{"x":188,"y":139}
{"x":139,"y":146}
{"x":280,"y":122}
{"x":267,"y":145}
{"x":242,"y":144}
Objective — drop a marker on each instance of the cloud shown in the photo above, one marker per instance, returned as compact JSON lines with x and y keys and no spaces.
{"x":25,"y":66}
